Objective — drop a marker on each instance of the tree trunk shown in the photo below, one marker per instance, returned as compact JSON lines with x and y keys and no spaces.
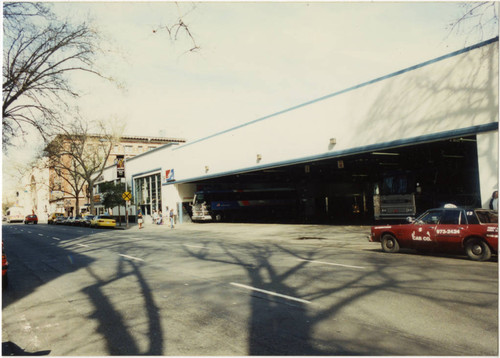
{"x":91,"y":194}
{"x":77,"y":204}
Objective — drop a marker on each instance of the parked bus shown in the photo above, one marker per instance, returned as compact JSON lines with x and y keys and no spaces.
{"x":244,"y":204}
{"x":15,"y":214}
{"x":394,"y":197}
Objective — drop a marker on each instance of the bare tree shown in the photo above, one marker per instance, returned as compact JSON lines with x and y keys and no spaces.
{"x":39,"y":54}
{"x":179,"y":28}
{"x":17,"y":15}
{"x":478,"y":19}
{"x":78,"y":156}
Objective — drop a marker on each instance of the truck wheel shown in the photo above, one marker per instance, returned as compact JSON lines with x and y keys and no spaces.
{"x":477,"y":250}
{"x":389,"y":243}
{"x":218,"y":217}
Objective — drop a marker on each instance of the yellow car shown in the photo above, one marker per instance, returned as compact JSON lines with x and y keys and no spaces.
{"x":103,"y":221}
{"x":53,"y":216}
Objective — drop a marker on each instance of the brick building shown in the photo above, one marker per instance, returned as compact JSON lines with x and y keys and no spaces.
{"x":61,"y":196}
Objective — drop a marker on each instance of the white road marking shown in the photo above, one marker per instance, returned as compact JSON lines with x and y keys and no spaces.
{"x":82,"y":245}
{"x":198,"y":247}
{"x":40,"y":234}
{"x":270,"y":293}
{"x":131,"y":257}
{"x":331,"y":263}
{"x":56,"y":238}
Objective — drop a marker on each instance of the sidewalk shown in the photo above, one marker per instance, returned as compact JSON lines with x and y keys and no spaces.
{"x":328,"y":235}
{"x":135,"y":226}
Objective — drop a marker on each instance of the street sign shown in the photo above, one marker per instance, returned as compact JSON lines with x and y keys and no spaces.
{"x":127,"y":196}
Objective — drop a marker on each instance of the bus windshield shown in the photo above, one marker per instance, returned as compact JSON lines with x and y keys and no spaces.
{"x":396,"y":184}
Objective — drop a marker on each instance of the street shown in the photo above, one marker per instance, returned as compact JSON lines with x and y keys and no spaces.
{"x":239,"y":289}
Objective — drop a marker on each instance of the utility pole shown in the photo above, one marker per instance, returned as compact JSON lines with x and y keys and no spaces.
{"x":126,"y":201}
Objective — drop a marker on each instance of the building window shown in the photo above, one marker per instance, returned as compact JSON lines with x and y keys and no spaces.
{"x":148,"y":193}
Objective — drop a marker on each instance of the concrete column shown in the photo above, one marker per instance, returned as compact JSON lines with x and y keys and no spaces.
{"x":170,"y":197}
{"x":487,"y":153}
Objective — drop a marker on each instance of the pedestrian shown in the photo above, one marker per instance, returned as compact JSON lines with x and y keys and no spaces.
{"x":494,"y":201}
{"x":140,"y":220}
{"x":155,"y":217}
{"x":171,"y":214}
{"x":159,"y":220}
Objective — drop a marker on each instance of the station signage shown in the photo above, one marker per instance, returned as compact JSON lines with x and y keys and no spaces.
{"x":169,"y":175}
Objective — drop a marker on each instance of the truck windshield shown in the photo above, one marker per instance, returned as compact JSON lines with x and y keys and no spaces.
{"x":199,"y":198}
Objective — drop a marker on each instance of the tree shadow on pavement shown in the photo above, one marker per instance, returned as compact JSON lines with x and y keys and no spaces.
{"x":316,"y":323}
{"x":38,"y":265}
{"x":12,"y":349}
{"x":112,"y":325}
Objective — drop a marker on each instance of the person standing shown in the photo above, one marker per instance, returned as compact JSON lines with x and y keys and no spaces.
{"x":140,"y":219}
{"x":494,"y":201}
{"x":171,"y":215}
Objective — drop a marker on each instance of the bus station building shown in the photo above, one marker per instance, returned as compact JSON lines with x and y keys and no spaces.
{"x":420,"y":137}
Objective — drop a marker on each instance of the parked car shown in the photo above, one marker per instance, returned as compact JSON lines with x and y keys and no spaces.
{"x":77,"y":221}
{"x":5,"y":268}
{"x":59,"y":220}
{"x":69,"y":220}
{"x":87,"y":220}
{"x":31,"y":219}
{"x":53,"y":216}
{"x":103,"y":221}
{"x":474,"y":232}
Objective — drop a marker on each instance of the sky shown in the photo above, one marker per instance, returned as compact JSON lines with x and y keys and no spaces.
{"x":254,"y":59}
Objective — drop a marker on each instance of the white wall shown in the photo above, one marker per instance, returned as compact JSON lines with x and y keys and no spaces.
{"x":36,"y":200}
{"x":456,"y":93}
{"x":487,"y":150}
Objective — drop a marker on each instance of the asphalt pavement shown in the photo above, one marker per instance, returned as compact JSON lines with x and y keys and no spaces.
{"x":322,"y":235}
{"x":218,"y":289}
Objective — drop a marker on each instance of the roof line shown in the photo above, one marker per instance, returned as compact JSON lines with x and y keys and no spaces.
{"x":163,"y":146}
{"x":394,"y":74}
{"x":427,"y":138}
{"x":159,"y":139}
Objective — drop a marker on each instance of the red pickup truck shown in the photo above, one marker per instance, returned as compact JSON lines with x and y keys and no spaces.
{"x":474,"y":232}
